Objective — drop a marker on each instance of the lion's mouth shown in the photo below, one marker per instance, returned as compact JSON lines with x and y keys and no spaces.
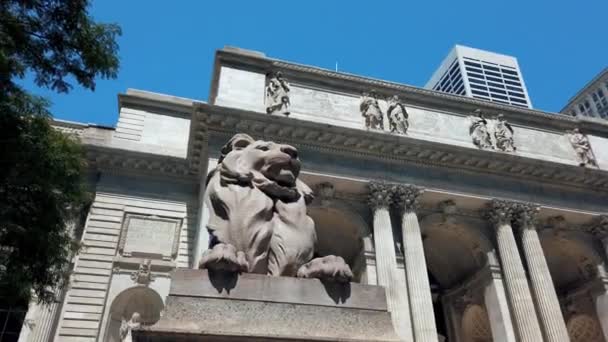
{"x":283,"y":172}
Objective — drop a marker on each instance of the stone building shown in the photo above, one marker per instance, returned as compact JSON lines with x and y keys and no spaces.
{"x":461,"y":219}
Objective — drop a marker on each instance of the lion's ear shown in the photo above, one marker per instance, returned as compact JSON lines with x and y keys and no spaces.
{"x":237,"y":142}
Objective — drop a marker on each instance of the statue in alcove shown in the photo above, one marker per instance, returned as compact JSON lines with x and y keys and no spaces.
{"x":127,"y":327}
{"x":258,"y":221}
{"x":503,"y":133}
{"x":397,"y":115}
{"x":479,"y":131}
{"x":582,"y":147}
{"x":370,"y":110}
{"x":277,"y":95}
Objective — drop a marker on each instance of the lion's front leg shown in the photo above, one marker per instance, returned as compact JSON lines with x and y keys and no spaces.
{"x":224,"y":257}
{"x":329,"y":267}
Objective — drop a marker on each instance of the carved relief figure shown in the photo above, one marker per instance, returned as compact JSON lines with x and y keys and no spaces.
{"x":258,"y":221}
{"x":127,"y":327}
{"x":581,"y":146}
{"x":277,"y":95}
{"x":503,"y":133}
{"x":397,"y":115}
{"x":479,"y":131}
{"x":370,"y":110}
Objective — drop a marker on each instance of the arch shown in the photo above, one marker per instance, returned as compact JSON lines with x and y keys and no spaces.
{"x":141,"y":299}
{"x":455,"y":246}
{"x":571,"y":257}
{"x":584,"y":328}
{"x":341,"y":231}
{"x":476,"y":324}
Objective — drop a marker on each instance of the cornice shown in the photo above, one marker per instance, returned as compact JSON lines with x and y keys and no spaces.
{"x":305,"y":74}
{"x":384,"y":146}
{"x":123,"y":161}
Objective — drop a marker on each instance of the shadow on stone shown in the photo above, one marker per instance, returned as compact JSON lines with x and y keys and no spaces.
{"x":339,"y":292}
{"x":223,"y":280}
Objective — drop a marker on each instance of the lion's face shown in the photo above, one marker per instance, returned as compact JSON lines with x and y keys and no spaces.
{"x":277,"y":162}
{"x":272,"y":167}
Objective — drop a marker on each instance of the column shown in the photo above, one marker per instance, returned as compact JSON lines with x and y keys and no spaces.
{"x":599,"y":229}
{"x":496,"y":304}
{"x":423,"y":318}
{"x":549,"y":311}
{"x":524,"y":314}
{"x":386,"y":261}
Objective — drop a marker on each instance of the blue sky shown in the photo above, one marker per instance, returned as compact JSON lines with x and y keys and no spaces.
{"x":168,"y":46}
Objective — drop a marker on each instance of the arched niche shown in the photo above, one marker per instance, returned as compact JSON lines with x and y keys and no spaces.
{"x":455,"y":246}
{"x":342,"y":232}
{"x":584,"y":328}
{"x":571,"y":256}
{"x":141,"y":299}
{"x":476,"y":324}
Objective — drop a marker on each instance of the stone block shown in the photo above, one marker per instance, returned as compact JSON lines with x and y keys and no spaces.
{"x":251,"y":307}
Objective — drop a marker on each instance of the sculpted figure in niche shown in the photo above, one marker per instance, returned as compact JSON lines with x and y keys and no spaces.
{"x":370,"y":110}
{"x":258,"y":221}
{"x":581,"y":146}
{"x":277,"y":95}
{"x":503,"y":132}
{"x":479,"y":131}
{"x":127,"y":327}
{"x":397,"y":115}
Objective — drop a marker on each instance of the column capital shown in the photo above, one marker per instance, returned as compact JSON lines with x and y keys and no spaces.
{"x":380,"y":194}
{"x":501,"y":211}
{"x":526,"y":214}
{"x":598,"y":227}
{"x":406,"y":196}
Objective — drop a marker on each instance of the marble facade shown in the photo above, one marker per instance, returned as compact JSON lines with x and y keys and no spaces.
{"x":467,"y":243}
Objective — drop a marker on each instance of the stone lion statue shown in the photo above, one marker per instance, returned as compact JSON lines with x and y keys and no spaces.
{"x":258,"y":221}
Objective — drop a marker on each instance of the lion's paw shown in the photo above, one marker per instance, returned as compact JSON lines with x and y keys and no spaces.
{"x":224,"y":257}
{"x":329,"y":267}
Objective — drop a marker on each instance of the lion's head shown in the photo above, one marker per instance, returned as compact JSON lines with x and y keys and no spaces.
{"x":271,"y":167}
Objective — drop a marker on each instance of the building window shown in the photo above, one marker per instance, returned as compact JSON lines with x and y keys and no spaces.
{"x":11,"y":320}
{"x":599,"y":99}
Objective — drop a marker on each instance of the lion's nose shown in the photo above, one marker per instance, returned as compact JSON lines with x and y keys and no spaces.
{"x":290,"y":150}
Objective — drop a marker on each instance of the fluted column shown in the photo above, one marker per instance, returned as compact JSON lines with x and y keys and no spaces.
{"x":599,"y":229}
{"x":423,"y":318}
{"x":524,"y":314}
{"x":386,"y":261}
{"x":496,"y":303}
{"x":549,"y":311}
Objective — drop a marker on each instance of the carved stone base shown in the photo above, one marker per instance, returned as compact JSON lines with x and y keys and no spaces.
{"x":250,"y":307}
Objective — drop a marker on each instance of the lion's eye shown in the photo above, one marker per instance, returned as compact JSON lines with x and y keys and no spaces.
{"x":263,"y":148}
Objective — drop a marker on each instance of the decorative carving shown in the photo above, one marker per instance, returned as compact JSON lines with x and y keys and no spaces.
{"x":277,"y":95}
{"x":598,"y":227}
{"x":380,"y":195}
{"x":581,"y":146}
{"x":370,"y":110}
{"x":397,"y":115}
{"x":503,"y":133}
{"x":325,"y":192}
{"x":407,"y":197}
{"x":479,"y":131}
{"x":143,"y":276}
{"x":526,"y":215}
{"x":482,"y":138}
{"x":501,"y":212}
{"x":126,"y":328}
{"x":258,"y":221}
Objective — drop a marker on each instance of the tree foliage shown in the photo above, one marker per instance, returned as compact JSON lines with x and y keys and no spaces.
{"x":41,"y":169}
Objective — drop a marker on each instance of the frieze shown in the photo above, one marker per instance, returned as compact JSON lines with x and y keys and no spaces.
{"x":384,"y":146}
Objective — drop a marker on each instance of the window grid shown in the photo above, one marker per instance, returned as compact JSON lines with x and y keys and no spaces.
{"x":494,"y":80}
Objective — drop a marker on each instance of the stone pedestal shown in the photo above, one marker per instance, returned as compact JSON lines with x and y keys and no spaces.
{"x":251,"y":307}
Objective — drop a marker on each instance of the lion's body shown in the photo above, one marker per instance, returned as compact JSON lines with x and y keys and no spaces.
{"x":253,"y":213}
